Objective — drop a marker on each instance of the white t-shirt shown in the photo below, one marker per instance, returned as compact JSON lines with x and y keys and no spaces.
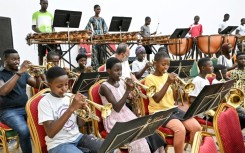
{"x":222,"y":25}
{"x":224,"y":61}
{"x":138,"y":66}
{"x":52,"y":108}
{"x":199,"y":85}
{"x":241,"y":29}
{"x":126,"y":71}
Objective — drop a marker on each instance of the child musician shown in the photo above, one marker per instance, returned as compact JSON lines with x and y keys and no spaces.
{"x":116,"y":91}
{"x":140,"y":67}
{"x":59,"y":120}
{"x":164,"y":99}
{"x":82,"y":62}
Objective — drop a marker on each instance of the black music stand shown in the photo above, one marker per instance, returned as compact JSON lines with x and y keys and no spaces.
{"x":120,"y":24}
{"x":126,"y":132}
{"x":86,"y":80}
{"x":67,"y":19}
{"x":208,"y":98}
{"x":228,"y":30}
{"x":182,"y":68}
{"x":178,"y":34}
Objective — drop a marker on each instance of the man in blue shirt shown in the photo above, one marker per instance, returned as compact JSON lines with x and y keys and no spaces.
{"x":13,"y":95}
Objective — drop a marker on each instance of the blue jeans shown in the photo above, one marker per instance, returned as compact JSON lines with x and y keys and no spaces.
{"x":83,"y":144}
{"x":16,"y":119}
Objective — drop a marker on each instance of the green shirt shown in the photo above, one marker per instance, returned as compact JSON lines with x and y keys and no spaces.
{"x":43,"y":21}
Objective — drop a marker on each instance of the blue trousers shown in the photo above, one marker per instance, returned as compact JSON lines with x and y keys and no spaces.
{"x":15,"y":118}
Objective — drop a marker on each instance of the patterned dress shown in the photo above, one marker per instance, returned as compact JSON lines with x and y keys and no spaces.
{"x":239,"y":75}
{"x":125,"y":114}
{"x":99,"y":28}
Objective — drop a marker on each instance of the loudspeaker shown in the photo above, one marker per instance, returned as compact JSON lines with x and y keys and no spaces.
{"x":6,"y":39}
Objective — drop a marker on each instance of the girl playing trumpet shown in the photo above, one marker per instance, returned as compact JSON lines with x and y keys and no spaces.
{"x":114,"y":91}
{"x":82,"y":62}
{"x":164,"y":99}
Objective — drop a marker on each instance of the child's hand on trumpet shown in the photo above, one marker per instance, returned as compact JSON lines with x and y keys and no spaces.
{"x":79,"y":101}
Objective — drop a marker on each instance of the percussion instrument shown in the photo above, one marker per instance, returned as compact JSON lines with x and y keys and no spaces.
{"x":181,"y":47}
{"x":127,"y":37}
{"x":58,"y":37}
{"x":231,"y":39}
{"x":209,"y":44}
{"x":153,"y":40}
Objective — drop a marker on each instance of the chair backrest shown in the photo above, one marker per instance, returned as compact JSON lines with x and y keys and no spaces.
{"x":101,"y":68}
{"x":203,"y":143}
{"x":37,"y":131}
{"x":227,"y":130}
{"x":95,"y":97}
{"x":145,"y":102}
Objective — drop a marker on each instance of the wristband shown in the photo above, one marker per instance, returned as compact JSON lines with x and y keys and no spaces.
{"x":18,"y":73}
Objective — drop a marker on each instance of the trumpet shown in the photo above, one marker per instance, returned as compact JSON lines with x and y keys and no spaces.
{"x":39,"y":69}
{"x":188,"y":87}
{"x":87,"y":113}
{"x":149,"y":90}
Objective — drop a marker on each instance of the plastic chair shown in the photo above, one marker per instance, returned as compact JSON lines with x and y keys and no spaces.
{"x":37,"y":131}
{"x":6,"y":133}
{"x":203,"y":143}
{"x":227,"y":130}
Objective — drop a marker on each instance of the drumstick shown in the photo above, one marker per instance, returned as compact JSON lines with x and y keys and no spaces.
{"x":157,"y":26}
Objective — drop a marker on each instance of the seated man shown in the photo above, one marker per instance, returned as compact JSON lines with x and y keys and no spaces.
{"x":13,"y":81}
{"x":57,"y":116}
{"x":140,"y":67}
{"x":82,"y":62}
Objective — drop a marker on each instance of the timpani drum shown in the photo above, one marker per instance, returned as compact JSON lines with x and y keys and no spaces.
{"x":179,"y":47}
{"x":231,"y":39}
{"x":209,"y":44}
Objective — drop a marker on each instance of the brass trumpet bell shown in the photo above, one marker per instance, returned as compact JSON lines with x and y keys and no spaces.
{"x":188,"y":87}
{"x":149,"y":90}
{"x":236,"y":97}
{"x":87,"y":113}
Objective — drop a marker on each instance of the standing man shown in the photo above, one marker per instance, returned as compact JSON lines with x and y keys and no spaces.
{"x":98,"y":26}
{"x":223,"y":25}
{"x":145,"y":32}
{"x":195,"y":31}
{"x":13,"y":82}
{"x":241,"y":29}
{"x":42,"y":22}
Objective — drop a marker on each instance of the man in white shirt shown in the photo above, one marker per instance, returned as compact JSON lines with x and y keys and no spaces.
{"x":241,"y":29}
{"x":223,"y":25}
{"x":122,"y":53}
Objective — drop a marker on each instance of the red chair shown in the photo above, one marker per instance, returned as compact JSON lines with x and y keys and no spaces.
{"x":98,"y":125}
{"x":227,"y":130}
{"x":88,"y":50}
{"x":101,"y":68}
{"x":37,"y":131}
{"x":6,"y":133}
{"x":165,"y":132}
{"x":203,"y":143}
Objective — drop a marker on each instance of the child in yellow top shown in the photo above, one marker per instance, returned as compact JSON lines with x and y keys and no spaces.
{"x":164,"y":99}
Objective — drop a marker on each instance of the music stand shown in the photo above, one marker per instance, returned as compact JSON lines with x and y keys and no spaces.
{"x":120,"y":24}
{"x":126,"y":132}
{"x":209,"y":98}
{"x":178,"y":34}
{"x":183,"y":67}
{"x":68,"y":19}
{"x":228,"y":30}
{"x":86,"y":80}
